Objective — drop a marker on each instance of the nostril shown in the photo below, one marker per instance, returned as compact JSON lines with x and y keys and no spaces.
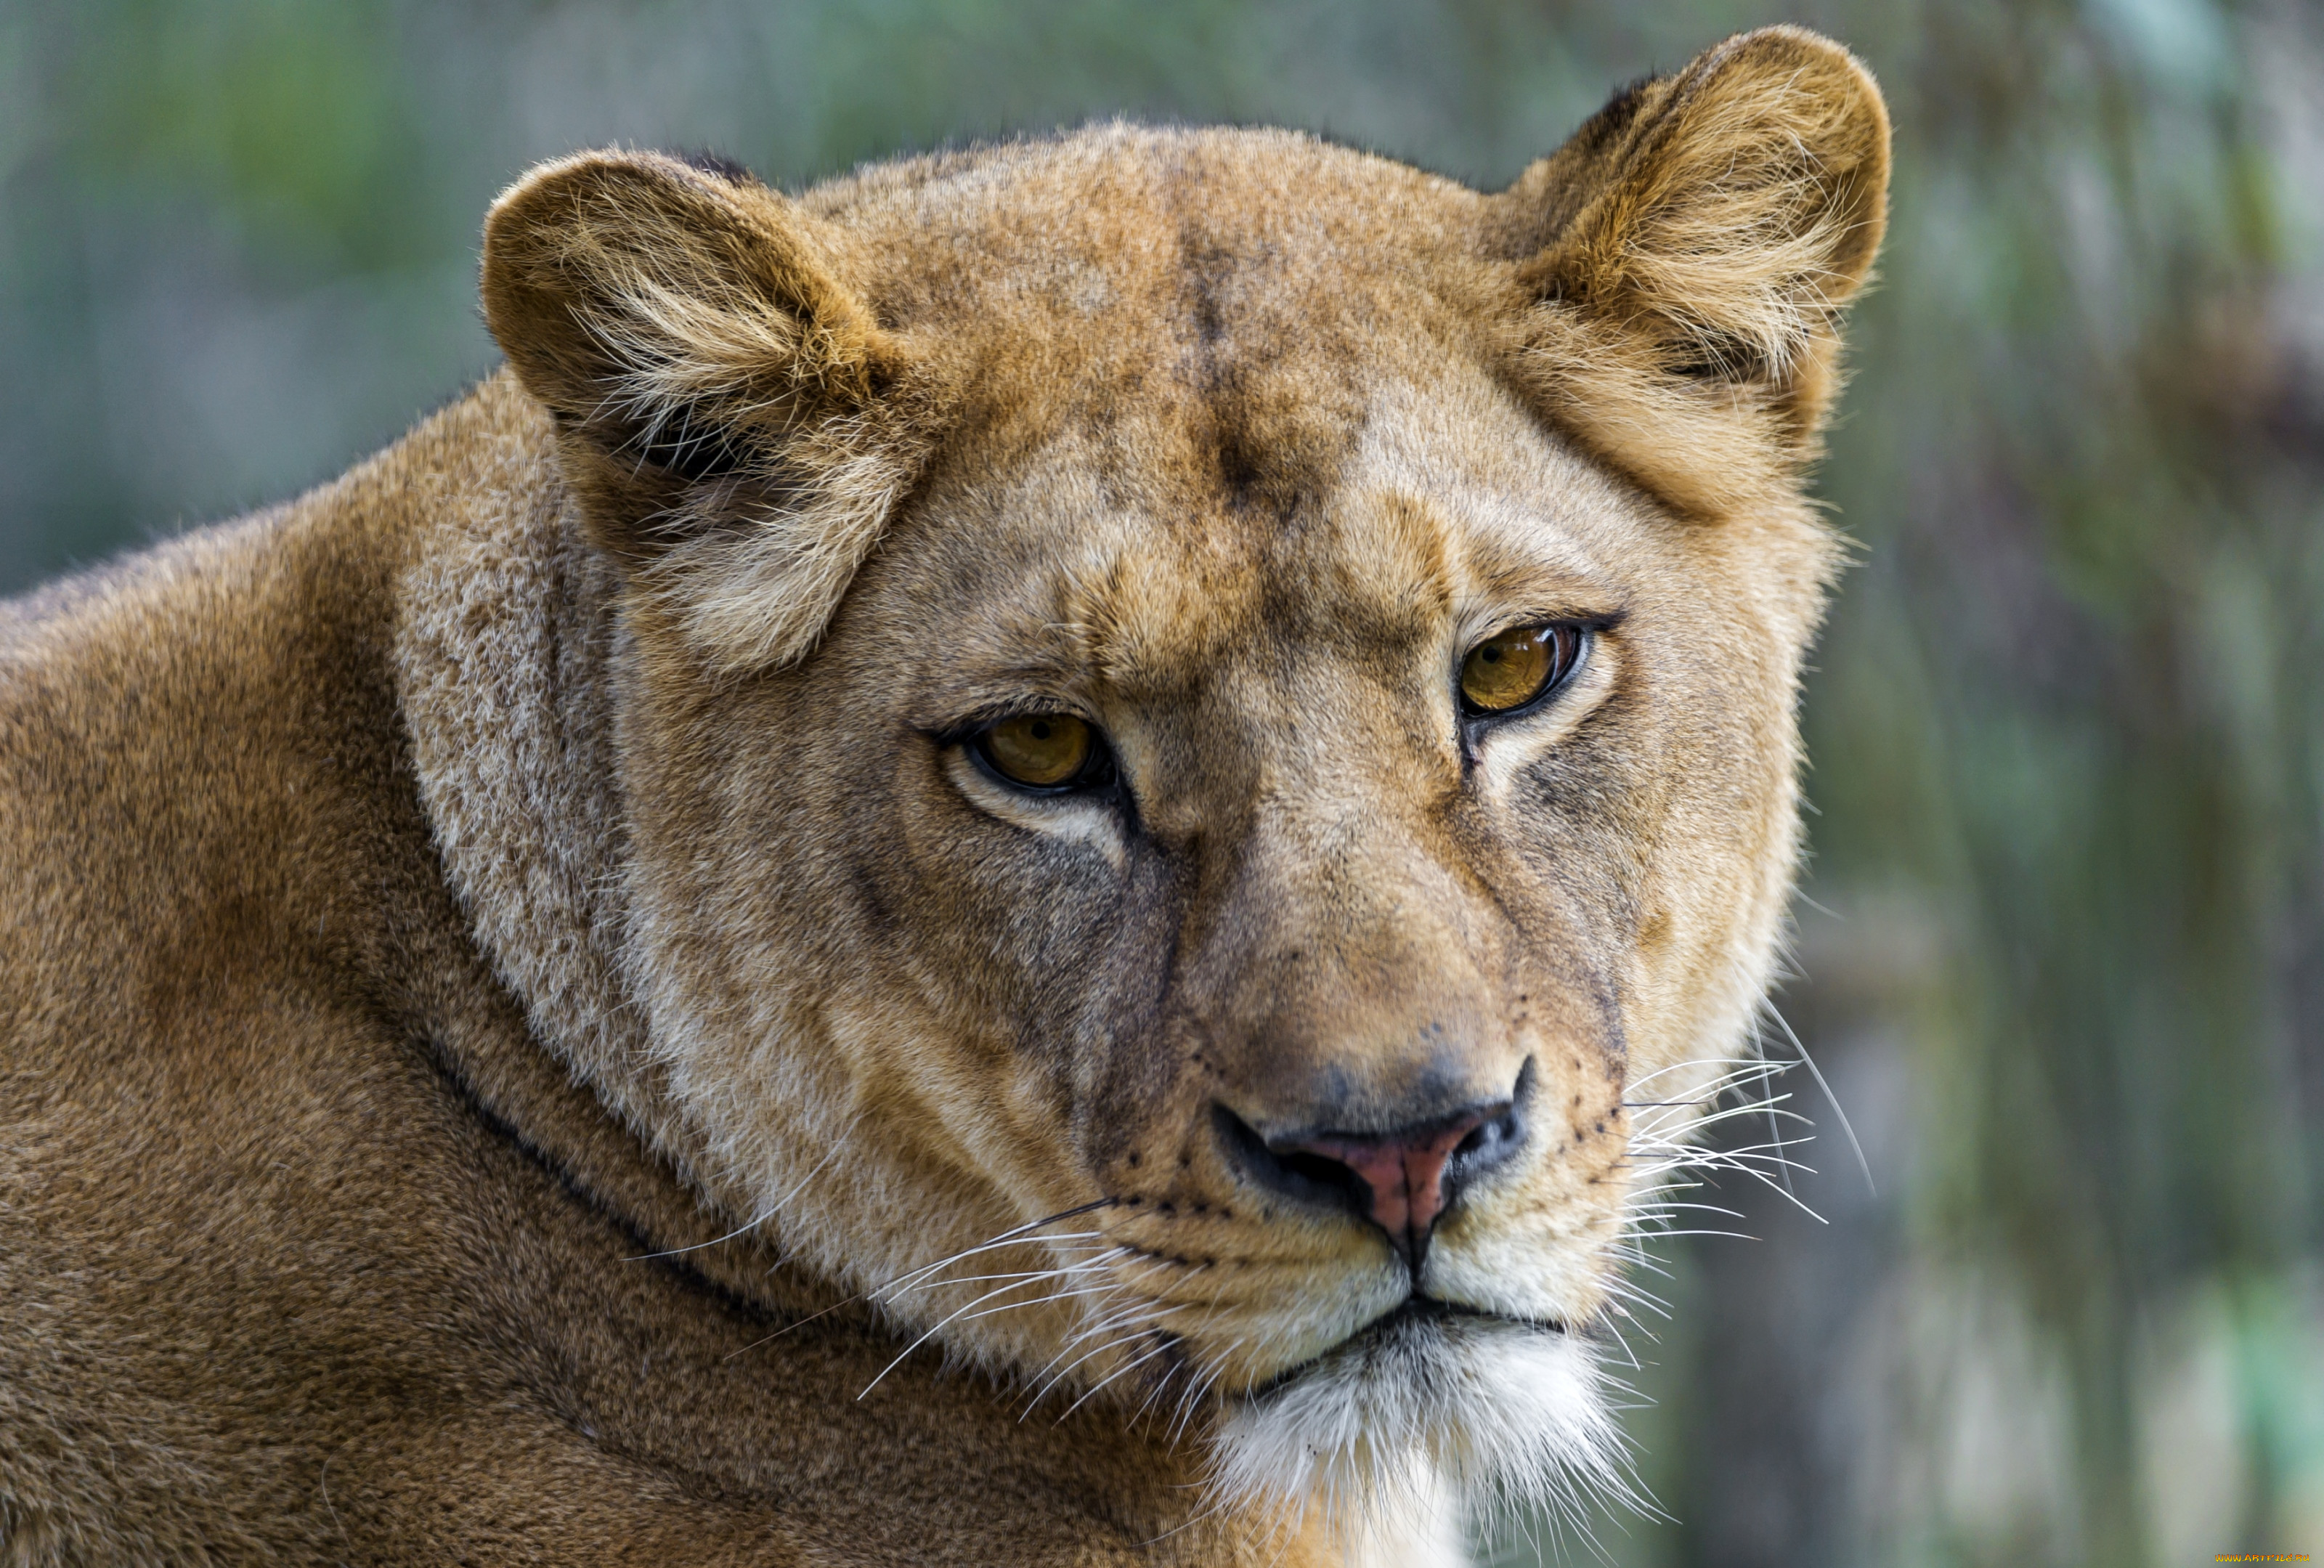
{"x":1491,"y":1138}
{"x":1315,"y":1167}
{"x":1301,"y":1174}
{"x":1320,"y":1173}
{"x":1488,"y":1144}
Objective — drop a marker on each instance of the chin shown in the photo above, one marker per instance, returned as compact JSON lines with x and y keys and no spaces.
{"x":1404,"y":1432}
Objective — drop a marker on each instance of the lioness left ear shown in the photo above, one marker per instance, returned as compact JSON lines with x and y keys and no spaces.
{"x":734,"y":421}
{"x":1689,"y":253}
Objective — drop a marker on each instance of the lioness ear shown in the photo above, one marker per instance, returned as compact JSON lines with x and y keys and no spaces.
{"x":1696,"y":242}
{"x":734,"y":423}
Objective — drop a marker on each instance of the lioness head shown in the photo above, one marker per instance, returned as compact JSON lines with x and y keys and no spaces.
{"x":1201,"y":710}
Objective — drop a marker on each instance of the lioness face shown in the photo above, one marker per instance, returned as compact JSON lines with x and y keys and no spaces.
{"x":1303,"y":735}
{"x":1321,"y":978}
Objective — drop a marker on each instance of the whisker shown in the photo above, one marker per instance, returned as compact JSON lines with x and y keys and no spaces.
{"x":1136,"y":1316}
{"x":1092,"y":1391}
{"x":938,"y":1326}
{"x":1005,"y":1238}
{"x":1863,"y":1163}
{"x":1013,"y":1274}
{"x":1042,"y":1300}
{"x":772,"y":1210}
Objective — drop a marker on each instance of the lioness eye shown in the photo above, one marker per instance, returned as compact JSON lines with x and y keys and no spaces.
{"x":1504,"y":673}
{"x":1039,"y":751}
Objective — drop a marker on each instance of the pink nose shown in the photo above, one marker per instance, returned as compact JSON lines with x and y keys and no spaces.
{"x":1405,"y":1174}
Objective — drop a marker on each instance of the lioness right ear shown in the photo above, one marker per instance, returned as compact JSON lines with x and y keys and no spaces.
{"x":1688,"y":254}
{"x":734,"y":423}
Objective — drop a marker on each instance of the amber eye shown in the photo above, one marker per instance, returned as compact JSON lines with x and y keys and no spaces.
{"x":1505,"y":672}
{"x":1038,"y":750}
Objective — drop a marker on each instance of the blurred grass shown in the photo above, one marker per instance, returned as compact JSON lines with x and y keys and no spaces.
{"x":2066,"y":959}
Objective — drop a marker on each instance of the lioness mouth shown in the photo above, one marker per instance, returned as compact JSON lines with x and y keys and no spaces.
{"x":1419,"y":1308}
{"x":1410,"y":1315}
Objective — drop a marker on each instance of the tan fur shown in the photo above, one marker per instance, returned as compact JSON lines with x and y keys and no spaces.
{"x":519,"y":1010}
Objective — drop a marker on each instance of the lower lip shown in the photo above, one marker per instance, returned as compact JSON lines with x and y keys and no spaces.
{"x":1412,"y":1309}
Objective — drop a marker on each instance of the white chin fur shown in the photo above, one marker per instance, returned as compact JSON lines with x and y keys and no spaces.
{"x":1393,"y":1436}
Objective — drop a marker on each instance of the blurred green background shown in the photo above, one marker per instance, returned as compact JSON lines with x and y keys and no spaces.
{"x":2064,"y":956}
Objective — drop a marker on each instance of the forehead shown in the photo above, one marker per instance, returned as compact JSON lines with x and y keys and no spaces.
{"x":1101,"y":559}
{"x":1220,"y":395}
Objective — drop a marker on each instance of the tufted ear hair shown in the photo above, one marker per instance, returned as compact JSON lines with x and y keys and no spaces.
{"x":1686,"y":257}
{"x":734,"y":423}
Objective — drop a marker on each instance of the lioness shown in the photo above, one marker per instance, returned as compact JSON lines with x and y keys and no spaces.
{"x":986,"y":869}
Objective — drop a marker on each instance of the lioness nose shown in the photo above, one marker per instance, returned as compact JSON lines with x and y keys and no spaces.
{"x":1401,"y":1181}
{"x":1405,"y":1174}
